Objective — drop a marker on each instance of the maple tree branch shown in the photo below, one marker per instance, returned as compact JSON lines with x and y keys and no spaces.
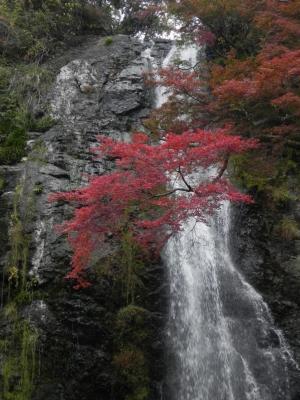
{"x":197,"y":99}
{"x":192,"y":67}
{"x":172,"y":192}
{"x":184,"y":180}
{"x":222,"y":170}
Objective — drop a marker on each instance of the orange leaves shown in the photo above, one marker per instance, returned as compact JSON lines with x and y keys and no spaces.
{"x":289,"y":102}
{"x":280,"y":22}
{"x":291,"y":9}
{"x":271,"y":86}
{"x":255,"y":78}
{"x":234,"y":89}
{"x":279,"y":69}
{"x":234,"y":69}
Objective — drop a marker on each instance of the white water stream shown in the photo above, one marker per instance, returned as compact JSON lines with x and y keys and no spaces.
{"x":223,"y":343}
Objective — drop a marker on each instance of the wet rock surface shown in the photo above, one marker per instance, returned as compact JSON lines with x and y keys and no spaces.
{"x":98,"y":89}
{"x":271,"y":265}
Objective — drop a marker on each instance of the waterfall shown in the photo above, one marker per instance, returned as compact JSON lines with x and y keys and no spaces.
{"x":222,"y":341}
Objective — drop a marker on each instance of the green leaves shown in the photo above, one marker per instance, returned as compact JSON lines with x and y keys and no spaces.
{"x":40,"y":26}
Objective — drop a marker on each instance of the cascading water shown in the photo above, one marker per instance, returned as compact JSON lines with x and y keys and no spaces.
{"x":223,"y":344}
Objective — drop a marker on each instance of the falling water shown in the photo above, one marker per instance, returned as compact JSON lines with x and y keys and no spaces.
{"x":223,"y":343}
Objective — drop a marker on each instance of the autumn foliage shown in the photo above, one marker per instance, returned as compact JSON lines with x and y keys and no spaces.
{"x":254,"y":77}
{"x":250,"y":83}
{"x":152,"y":190}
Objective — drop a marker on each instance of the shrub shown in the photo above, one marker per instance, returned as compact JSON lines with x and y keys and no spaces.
{"x":13,"y":126}
{"x":39,"y":26}
{"x":132,"y":372}
{"x":288,"y":229}
{"x":42,"y":124}
{"x":108,"y":41}
{"x":131,"y":325}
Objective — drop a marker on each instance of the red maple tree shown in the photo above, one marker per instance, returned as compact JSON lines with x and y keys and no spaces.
{"x":151,"y":191}
{"x":254,"y":81}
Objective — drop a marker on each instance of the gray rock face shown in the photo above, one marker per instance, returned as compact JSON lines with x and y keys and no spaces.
{"x":102,"y":91}
{"x":272,"y":265}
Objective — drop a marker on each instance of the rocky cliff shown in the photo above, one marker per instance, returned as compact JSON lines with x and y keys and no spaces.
{"x":59,"y":343}
{"x":270,"y":263}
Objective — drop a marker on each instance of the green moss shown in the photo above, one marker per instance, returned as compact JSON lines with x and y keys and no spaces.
{"x":2,"y":183}
{"x":10,"y":311}
{"x":3,"y":345}
{"x":38,"y":152}
{"x":23,"y":297}
{"x":288,"y":229}
{"x":19,"y":365}
{"x":43,"y":124}
{"x":132,"y":313}
{"x":38,"y":189}
{"x":20,"y":241}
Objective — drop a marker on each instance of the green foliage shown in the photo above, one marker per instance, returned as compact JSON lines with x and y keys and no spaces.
{"x":246,"y":173}
{"x":108,"y":41}
{"x":13,"y":126}
{"x":2,"y":183}
{"x":132,"y":372}
{"x":20,"y":362}
{"x":131,"y":259}
{"x":38,"y":151}
{"x":288,"y":229}
{"x":21,"y":88}
{"x":28,"y":82}
{"x":230,"y":21}
{"x":39,"y":26}
{"x":252,"y":172}
{"x":38,"y":189}
{"x":17,"y":269}
{"x":10,"y":311}
{"x":131,"y":325}
{"x":30,"y":31}
{"x":126,"y":266}
{"x":282,"y":194}
{"x":141,"y":16}
{"x":19,"y":353}
{"x":42,"y":124}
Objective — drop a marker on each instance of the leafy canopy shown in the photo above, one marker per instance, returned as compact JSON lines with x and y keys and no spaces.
{"x":254,"y":57}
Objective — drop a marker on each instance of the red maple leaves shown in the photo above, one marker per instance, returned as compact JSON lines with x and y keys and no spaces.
{"x":152,"y":190}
